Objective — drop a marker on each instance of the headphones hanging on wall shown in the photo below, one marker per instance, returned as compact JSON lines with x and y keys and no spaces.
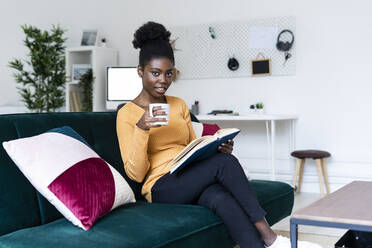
{"x":284,"y":46}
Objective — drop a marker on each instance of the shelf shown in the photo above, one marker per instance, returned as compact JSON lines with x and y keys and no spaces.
{"x":88,"y":49}
{"x":99,"y":58}
{"x":248,"y":117}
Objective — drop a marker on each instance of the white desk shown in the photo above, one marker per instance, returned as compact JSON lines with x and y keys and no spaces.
{"x":270,"y":120}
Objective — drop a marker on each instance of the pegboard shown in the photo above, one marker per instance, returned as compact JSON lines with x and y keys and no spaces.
{"x":199,"y":56}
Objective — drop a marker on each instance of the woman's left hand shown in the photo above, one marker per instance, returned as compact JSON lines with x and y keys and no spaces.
{"x":226,"y":147}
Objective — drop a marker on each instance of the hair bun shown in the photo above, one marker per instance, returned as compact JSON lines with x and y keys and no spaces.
{"x":150,"y":31}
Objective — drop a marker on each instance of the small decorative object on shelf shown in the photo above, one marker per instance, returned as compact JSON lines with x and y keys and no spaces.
{"x":256,"y":108}
{"x":223,"y":112}
{"x":103,"y":42}
{"x":260,"y":107}
{"x":89,"y":37}
{"x":195,"y":108}
{"x":252,"y":108}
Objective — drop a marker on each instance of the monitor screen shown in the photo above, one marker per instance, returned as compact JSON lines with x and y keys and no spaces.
{"x":123,"y":85}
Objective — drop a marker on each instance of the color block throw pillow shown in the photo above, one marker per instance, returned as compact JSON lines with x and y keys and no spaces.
{"x":70,"y":175}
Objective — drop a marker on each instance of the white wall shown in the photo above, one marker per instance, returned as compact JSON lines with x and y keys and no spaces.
{"x":330,"y":90}
{"x":74,"y":16}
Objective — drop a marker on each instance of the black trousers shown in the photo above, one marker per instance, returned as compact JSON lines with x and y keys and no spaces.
{"x":218,"y":183}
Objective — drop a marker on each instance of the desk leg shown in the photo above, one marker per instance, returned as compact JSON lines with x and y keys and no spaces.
{"x":294,"y":232}
{"x":273,"y":177}
{"x":268,"y":139}
{"x":293,"y":135}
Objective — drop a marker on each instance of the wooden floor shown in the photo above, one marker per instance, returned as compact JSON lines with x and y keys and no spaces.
{"x":324,"y":240}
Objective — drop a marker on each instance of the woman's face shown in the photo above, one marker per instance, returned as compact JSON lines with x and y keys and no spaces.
{"x":156,"y":77}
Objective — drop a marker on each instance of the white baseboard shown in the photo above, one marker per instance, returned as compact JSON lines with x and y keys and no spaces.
{"x":340,"y":173}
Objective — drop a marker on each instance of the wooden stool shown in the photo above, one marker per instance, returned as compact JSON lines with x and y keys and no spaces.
{"x":319,"y":156}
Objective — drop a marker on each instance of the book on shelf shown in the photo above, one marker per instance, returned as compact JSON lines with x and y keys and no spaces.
{"x":227,"y":114}
{"x":71,"y":101}
{"x":76,"y":104}
{"x":202,"y":148}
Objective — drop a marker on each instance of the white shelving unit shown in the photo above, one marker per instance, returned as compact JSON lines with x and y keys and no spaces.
{"x":99,"y":58}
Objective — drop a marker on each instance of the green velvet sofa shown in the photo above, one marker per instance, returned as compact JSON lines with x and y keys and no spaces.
{"x":28,"y":220}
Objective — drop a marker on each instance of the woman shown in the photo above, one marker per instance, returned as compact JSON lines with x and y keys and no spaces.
{"x":218,"y":182}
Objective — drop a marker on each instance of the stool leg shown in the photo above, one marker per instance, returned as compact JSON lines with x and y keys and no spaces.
{"x":298,"y":164}
{"x":325,"y":175}
{"x":319,"y":168}
{"x":302,"y":166}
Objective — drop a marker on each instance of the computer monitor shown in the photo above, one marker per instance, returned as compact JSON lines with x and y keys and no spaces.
{"x":123,"y":85}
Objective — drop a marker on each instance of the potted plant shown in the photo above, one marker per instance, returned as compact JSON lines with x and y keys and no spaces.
{"x":86,"y":85}
{"x":252,"y":108}
{"x":260,"y":107}
{"x":43,"y":76}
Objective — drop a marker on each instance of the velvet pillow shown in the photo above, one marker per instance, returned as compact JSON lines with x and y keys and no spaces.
{"x":210,"y":129}
{"x":202,"y":129}
{"x":70,"y":175}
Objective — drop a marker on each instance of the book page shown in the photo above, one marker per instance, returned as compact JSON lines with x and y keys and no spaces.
{"x":226,"y":131}
{"x":187,"y":154}
{"x":189,"y":147}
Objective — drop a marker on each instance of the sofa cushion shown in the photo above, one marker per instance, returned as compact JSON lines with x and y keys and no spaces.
{"x":151,"y":225}
{"x":65,"y":170}
{"x":276,"y":198}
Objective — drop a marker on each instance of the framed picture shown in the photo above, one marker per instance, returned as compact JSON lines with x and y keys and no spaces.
{"x":78,"y":70}
{"x":261,"y":67}
{"x":89,"y":37}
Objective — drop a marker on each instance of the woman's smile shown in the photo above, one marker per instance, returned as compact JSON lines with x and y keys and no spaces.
{"x":160,"y":90}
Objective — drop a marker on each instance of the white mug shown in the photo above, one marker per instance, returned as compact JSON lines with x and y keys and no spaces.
{"x":165,"y":108}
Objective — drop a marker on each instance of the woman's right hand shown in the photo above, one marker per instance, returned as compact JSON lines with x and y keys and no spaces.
{"x":146,"y":122}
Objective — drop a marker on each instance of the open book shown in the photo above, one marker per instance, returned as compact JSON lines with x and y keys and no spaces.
{"x":202,"y":148}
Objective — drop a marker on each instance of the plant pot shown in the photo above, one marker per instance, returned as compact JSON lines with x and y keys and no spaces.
{"x":260,"y":111}
{"x":252,"y":111}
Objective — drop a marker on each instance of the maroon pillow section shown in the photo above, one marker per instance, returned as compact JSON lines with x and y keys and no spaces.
{"x":210,"y":129}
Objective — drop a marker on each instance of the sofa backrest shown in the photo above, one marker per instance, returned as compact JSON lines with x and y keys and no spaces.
{"x":21,"y":205}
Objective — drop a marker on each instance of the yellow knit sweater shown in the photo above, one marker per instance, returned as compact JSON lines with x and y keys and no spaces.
{"x":146,"y":154}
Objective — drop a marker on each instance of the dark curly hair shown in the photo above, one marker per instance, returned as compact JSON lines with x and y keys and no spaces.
{"x":153,"y":40}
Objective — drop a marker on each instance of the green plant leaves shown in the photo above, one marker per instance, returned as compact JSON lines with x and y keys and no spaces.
{"x":42,"y":86}
{"x":86,"y":84}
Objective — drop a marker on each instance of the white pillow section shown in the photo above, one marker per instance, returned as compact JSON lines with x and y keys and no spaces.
{"x":198,"y":128}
